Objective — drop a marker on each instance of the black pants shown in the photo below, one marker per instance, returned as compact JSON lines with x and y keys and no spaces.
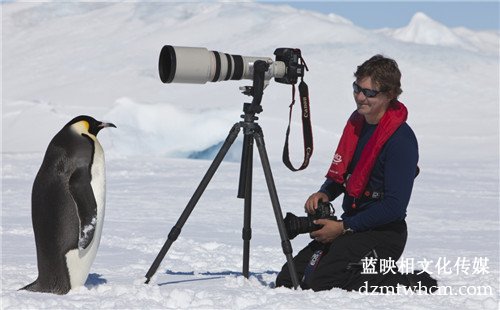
{"x":338,"y":266}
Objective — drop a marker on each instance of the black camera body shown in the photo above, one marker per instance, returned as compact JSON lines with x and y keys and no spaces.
{"x":296,"y":225}
{"x":294,"y":69}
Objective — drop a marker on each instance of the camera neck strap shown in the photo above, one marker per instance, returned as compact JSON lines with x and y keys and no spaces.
{"x":306,"y":127}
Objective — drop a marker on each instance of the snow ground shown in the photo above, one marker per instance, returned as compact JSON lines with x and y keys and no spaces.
{"x":203,"y":267}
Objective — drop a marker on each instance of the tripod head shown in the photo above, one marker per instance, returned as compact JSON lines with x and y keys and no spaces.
{"x":257,"y":89}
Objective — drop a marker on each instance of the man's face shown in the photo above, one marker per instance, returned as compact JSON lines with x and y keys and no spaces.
{"x":372,"y":108}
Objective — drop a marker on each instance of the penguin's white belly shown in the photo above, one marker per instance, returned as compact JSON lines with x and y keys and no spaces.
{"x":79,"y":261}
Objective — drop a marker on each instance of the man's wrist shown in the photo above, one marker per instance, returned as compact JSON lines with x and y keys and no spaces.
{"x":347,"y":230}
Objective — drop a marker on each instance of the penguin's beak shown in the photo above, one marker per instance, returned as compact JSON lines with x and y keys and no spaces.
{"x":105,"y":125}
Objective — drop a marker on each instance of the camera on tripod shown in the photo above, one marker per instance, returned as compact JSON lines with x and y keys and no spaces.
{"x":197,"y":65}
{"x":296,"y":225}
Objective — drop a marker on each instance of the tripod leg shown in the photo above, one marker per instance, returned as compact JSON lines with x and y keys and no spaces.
{"x":243,"y":166}
{"x":176,"y":230}
{"x":285,"y":242}
{"x":247,"y":166}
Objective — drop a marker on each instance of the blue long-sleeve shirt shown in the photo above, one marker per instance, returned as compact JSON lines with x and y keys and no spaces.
{"x":392,"y":175}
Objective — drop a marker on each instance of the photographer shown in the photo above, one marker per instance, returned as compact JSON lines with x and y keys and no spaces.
{"x":374,"y":166}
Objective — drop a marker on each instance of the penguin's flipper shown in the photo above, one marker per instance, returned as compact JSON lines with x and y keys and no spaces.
{"x":81,"y":190}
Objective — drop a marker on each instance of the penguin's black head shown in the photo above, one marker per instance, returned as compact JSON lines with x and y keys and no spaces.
{"x":84,"y":123}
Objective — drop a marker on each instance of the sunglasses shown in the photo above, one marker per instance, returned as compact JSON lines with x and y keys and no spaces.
{"x":370,"y":93}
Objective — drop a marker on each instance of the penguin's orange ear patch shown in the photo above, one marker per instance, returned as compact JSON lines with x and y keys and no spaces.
{"x":86,"y":125}
{"x":81,"y":127}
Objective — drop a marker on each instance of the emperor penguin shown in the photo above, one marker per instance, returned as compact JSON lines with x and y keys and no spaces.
{"x":67,"y":204}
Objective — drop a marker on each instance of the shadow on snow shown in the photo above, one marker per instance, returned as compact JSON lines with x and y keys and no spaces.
{"x":94,"y":280}
{"x":216,"y":275}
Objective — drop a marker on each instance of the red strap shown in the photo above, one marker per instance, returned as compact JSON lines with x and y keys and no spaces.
{"x":395,"y":115}
{"x":345,"y":149}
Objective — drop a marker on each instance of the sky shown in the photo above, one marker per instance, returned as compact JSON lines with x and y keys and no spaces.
{"x":476,"y":15}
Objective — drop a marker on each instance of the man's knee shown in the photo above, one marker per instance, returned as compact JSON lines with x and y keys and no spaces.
{"x":283,"y":278}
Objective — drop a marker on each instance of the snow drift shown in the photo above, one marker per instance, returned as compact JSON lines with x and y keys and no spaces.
{"x":110,"y":51}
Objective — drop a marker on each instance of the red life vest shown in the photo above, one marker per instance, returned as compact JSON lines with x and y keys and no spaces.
{"x":395,"y":115}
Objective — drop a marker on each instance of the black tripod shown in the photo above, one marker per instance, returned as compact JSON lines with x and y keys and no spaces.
{"x":252,"y":131}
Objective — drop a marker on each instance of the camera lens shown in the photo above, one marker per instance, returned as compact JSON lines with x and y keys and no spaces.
{"x":198,"y":65}
{"x":296,"y":225}
{"x":167,"y":64}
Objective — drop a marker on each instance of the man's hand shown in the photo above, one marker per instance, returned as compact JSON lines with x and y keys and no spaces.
{"x":331,"y":229}
{"x":312,"y":202}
